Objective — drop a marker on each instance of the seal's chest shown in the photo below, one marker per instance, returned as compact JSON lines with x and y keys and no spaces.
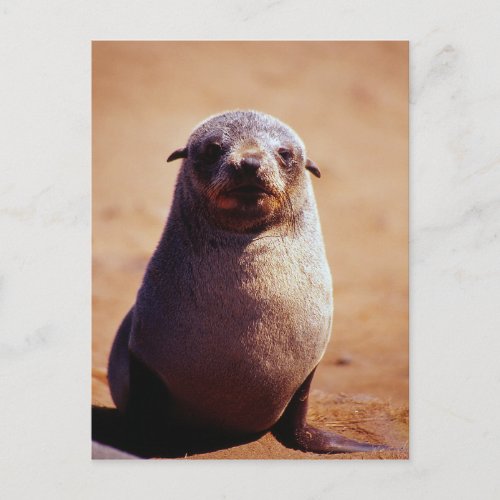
{"x":247,"y":286}
{"x":266,"y":298}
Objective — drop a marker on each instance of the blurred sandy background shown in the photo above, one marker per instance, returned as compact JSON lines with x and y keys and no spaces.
{"x":348,"y":102}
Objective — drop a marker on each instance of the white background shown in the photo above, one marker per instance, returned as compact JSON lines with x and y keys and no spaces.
{"x":45,"y":285}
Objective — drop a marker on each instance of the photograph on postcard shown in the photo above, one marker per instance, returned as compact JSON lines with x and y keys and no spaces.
{"x":241,"y":193}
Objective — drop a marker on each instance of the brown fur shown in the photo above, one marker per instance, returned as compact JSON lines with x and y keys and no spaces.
{"x":235,"y":308}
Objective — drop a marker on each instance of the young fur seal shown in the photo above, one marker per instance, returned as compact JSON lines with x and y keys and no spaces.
{"x":235,"y":309}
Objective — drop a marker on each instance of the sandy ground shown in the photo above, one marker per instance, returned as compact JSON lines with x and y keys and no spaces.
{"x":348,"y":101}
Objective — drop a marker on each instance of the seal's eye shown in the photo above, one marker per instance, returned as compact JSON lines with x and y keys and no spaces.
{"x":285,"y":154}
{"x":212,"y":152}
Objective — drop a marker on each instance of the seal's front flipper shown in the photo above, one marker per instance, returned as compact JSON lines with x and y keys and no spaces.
{"x":119,"y":364}
{"x":149,"y":399}
{"x":147,"y":413}
{"x":293,"y":430}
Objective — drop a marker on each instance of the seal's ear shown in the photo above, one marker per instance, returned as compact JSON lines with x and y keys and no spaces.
{"x":178,"y":153}
{"x":311,"y":166}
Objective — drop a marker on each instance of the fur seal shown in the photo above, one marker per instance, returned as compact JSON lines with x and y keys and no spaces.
{"x":235,"y":309}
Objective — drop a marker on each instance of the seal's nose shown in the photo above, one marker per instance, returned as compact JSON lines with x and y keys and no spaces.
{"x":250,"y":164}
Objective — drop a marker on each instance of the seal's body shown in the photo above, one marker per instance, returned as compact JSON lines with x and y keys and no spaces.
{"x":235,"y":308}
{"x":235,"y":323}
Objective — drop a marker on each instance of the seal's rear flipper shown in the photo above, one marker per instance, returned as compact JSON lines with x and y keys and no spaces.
{"x":292,"y":429}
{"x":308,"y":438}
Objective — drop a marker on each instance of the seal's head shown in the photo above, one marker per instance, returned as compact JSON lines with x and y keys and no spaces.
{"x":245,"y":169}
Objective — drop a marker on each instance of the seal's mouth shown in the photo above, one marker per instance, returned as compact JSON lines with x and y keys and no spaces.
{"x":247,"y":190}
{"x":246,"y":195}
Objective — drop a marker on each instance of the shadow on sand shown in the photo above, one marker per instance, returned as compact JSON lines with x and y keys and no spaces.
{"x":111,"y":428}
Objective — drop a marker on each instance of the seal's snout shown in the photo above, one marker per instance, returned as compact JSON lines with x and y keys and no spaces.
{"x":250,"y":164}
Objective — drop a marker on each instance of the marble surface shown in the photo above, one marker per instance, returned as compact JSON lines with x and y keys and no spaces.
{"x":45,"y":251}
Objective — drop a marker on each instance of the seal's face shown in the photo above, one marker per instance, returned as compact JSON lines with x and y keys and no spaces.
{"x":244,"y":167}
